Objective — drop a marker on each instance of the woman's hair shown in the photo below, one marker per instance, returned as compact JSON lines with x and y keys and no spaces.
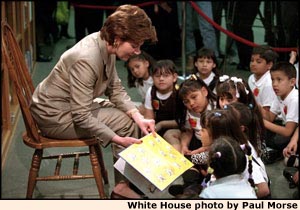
{"x":129,"y":23}
{"x":194,"y":83}
{"x":265,"y":52}
{"x":253,"y":124}
{"x":209,"y":54}
{"x":143,"y":56}
{"x":223,"y":122}
{"x":227,"y":157}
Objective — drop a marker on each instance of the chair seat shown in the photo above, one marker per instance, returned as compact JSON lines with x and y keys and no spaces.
{"x":46,"y":142}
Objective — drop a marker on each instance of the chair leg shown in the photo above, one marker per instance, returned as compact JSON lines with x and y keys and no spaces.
{"x":102,"y":165}
{"x":97,"y":171}
{"x":34,"y":171}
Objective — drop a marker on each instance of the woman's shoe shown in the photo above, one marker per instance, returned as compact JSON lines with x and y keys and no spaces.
{"x":123,"y":191}
{"x":115,"y":195}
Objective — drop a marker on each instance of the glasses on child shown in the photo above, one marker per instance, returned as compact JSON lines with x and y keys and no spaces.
{"x":164,"y":75}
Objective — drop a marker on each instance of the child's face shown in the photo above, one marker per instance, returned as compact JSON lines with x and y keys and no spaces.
{"x":139,"y":68}
{"x":164,"y":82}
{"x":259,"y":66}
{"x":196,"y":101}
{"x":282,"y":85}
{"x":205,"y":66}
{"x":205,"y":136}
{"x":223,"y":100}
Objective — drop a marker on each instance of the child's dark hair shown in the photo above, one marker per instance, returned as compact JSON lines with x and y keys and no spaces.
{"x":164,"y":67}
{"x":194,"y":83}
{"x":143,"y":56}
{"x":207,"y":53}
{"x":287,"y":68}
{"x":223,"y":122}
{"x":243,"y":92}
{"x":252,"y":122}
{"x":266,"y":52}
{"x":227,"y":157}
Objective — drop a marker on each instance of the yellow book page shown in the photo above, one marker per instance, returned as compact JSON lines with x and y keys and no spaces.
{"x":156,"y":160}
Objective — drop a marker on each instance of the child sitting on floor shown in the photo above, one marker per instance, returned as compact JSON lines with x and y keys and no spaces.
{"x":283,"y":76}
{"x":227,"y":162}
{"x":139,"y":69}
{"x":161,"y":99}
{"x":206,"y":67}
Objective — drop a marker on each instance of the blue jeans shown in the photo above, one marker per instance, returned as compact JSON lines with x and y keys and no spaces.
{"x":206,"y":29}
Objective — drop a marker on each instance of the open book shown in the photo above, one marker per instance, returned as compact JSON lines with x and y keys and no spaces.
{"x":151,"y":165}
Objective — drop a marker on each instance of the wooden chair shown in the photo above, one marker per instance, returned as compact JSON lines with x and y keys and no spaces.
{"x":13,"y":61}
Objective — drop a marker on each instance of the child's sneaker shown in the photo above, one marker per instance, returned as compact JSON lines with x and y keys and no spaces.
{"x":270,"y":155}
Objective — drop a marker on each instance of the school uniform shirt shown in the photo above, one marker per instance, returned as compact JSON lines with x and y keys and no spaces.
{"x":192,"y":121}
{"x":65,"y":97}
{"x":233,"y":186}
{"x":148,"y":98}
{"x":288,"y":108}
{"x":262,"y":89}
{"x":296,"y":65}
{"x":259,"y":173}
{"x":142,"y":89}
{"x":210,"y":81}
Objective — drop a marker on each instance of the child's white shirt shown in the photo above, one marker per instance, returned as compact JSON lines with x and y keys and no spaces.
{"x":262,"y":89}
{"x":288,"y":108}
{"x":259,"y":172}
{"x":148,"y":99}
{"x":142,"y":89}
{"x":297,"y":74}
{"x":207,"y":80}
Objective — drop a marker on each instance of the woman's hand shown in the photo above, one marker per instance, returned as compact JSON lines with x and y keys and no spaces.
{"x":125,"y":141}
{"x":146,"y":125}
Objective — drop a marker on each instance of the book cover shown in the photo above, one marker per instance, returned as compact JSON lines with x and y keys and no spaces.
{"x":156,"y":160}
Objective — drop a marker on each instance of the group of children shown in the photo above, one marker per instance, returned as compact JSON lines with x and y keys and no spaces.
{"x":223,"y":124}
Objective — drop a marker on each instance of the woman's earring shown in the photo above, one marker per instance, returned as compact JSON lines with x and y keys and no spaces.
{"x":115,"y":45}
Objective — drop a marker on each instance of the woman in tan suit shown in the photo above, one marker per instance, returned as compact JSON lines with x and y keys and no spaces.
{"x":63,"y":103}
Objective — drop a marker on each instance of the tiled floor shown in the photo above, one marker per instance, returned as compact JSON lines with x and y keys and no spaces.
{"x":15,"y":170}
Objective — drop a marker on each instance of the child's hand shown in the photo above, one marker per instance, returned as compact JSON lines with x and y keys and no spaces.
{"x":158,"y":127}
{"x":296,"y":177}
{"x":293,"y":57}
{"x":290,"y":149}
{"x":203,"y":172}
{"x":185,"y":150}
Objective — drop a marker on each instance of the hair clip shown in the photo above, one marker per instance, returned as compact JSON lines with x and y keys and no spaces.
{"x":250,"y":106}
{"x":217,"y":114}
{"x":223,"y":78}
{"x":193,"y":77}
{"x":236,"y":80}
{"x":210,"y":170}
{"x":218,"y":154}
{"x":250,"y":157}
{"x":204,"y":184}
{"x":243,"y":146}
